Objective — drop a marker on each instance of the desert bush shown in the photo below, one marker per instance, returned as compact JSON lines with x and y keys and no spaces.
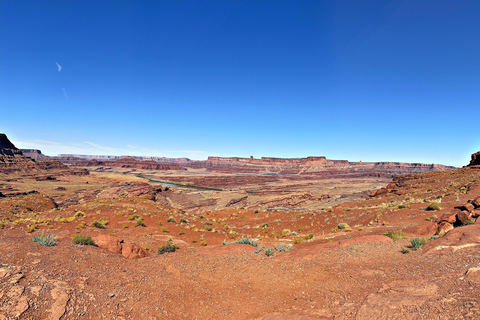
{"x":203,"y":242}
{"x":405,"y":250}
{"x":269,"y":252}
{"x":97,"y":224}
{"x":184,"y":221}
{"x":468,"y":222}
{"x":164,"y":229}
{"x":134,"y":217}
{"x":32,"y":228}
{"x":83,"y":240}
{"x":181,"y":233}
{"x":395,"y":235}
{"x":169,"y":247}
{"x":79,"y":214}
{"x":434,"y":206}
{"x":171,"y":219}
{"x":309,"y":236}
{"x":402,"y":206}
{"x":284,"y":248}
{"x":417,"y":243}
{"x":285,"y":232}
{"x":298,"y":240}
{"x":48,"y":241}
{"x":344,"y":226}
{"x":140,"y":223}
{"x":244,"y":240}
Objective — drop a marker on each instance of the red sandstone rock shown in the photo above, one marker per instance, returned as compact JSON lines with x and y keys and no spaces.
{"x":109,"y":243}
{"x":462,"y":217}
{"x":475,"y":159}
{"x":475,"y":213}
{"x":445,"y":227}
{"x":467,"y":207}
{"x":133,"y":251}
{"x":476,"y":202}
{"x":449,"y":217}
{"x":427,"y":229}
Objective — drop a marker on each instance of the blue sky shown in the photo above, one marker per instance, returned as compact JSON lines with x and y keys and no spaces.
{"x":354,"y":80}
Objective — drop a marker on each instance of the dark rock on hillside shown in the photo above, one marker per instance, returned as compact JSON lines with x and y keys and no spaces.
{"x":7,"y":148}
{"x":35,"y":154}
{"x":475,"y":159}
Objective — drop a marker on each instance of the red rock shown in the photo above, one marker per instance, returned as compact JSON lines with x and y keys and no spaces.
{"x":445,"y":227}
{"x":475,"y":159}
{"x":468,"y":207}
{"x":133,"y":251}
{"x":462,"y":217}
{"x":449,"y":217}
{"x":426,"y":229}
{"x":109,"y":243}
{"x":476,"y":202}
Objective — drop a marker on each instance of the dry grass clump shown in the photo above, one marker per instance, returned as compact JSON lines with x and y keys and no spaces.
{"x":434,"y":206}
{"x":395,"y":235}
{"x":83,"y":240}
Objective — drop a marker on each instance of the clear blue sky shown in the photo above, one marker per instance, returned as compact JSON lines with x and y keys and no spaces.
{"x":354,"y":80}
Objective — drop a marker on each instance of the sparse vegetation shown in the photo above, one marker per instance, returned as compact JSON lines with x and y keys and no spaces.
{"x":140,"y":223}
{"x":309,"y":236}
{"x":83,"y":240}
{"x":417,"y":243}
{"x":405,"y":250}
{"x":169,"y":247}
{"x":164,"y":229}
{"x":172,"y":220}
{"x":395,"y":235}
{"x":434,"y":206}
{"x":45,"y":240}
{"x":244,"y":240}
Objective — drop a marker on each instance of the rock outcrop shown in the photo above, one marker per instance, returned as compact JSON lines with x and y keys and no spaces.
{"x":117,"y":245}
{"x":475,"y":159}
{"x":35,"y":154}
{"x":131,"y":163}
{"x":13,"y":160}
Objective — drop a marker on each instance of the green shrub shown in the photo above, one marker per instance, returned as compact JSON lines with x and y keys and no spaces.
{"x":140,"y":223}
{"x":169,"y":247}
{"x":79,"y":214}
{"x":298,"y":240}
{"x":417,"y":243}
{"x":395,"y":235}
{"x":32,"y":228}
{"x":269,"y":252}
{"x":244,"y":240}
{"x":405,"y":250}
{"x":98,"y":224}
{"x":44,"y":240}
{"x":172,"y":219}
{"x":344,"y":226}
{"x":434,"y":206}
{"x":468,"y":222}
{"x":164,"y":229}
{"x":83,"y":240}
{"x":134,"y":217}
{"x":309,"y":236}
{"x":402,"y":206}
{"x":284,"y":248}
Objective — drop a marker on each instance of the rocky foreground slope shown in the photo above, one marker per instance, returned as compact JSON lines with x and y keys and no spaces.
{"x":333,"y":263}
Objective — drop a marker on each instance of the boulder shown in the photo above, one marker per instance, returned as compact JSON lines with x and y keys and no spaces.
{"x":467,"y":207}
{"x":449,"y":217}
{"x":462,"y":218}
{"x":445,"y":227}
{"x":475,"y":159}
{"x":109,"y":243}
{"x":133,"y":251}
{"x":475,"y":213}
{"x":476,"y":202}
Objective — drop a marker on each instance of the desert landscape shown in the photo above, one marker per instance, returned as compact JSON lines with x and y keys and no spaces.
{"x":239,"y":160}
{"x":236,"y":238}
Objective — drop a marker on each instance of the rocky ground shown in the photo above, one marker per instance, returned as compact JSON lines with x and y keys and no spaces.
{"x":409,"y":250}
{"x":346,"y":269}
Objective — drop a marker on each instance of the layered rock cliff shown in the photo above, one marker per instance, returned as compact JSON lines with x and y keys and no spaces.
{"x":129,"y":162}
{"x":12,"y":160}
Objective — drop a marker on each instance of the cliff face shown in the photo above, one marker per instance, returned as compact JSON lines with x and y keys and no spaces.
{"x":130,"y":163}
{"x":319,"y":166}
{"x":35,"y":154}
{"x":12,"y":160}
{"x":475,"y":159}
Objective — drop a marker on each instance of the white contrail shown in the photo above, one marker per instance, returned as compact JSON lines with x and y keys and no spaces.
{"x":59,"y":67}
{"x":65,"y":92}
